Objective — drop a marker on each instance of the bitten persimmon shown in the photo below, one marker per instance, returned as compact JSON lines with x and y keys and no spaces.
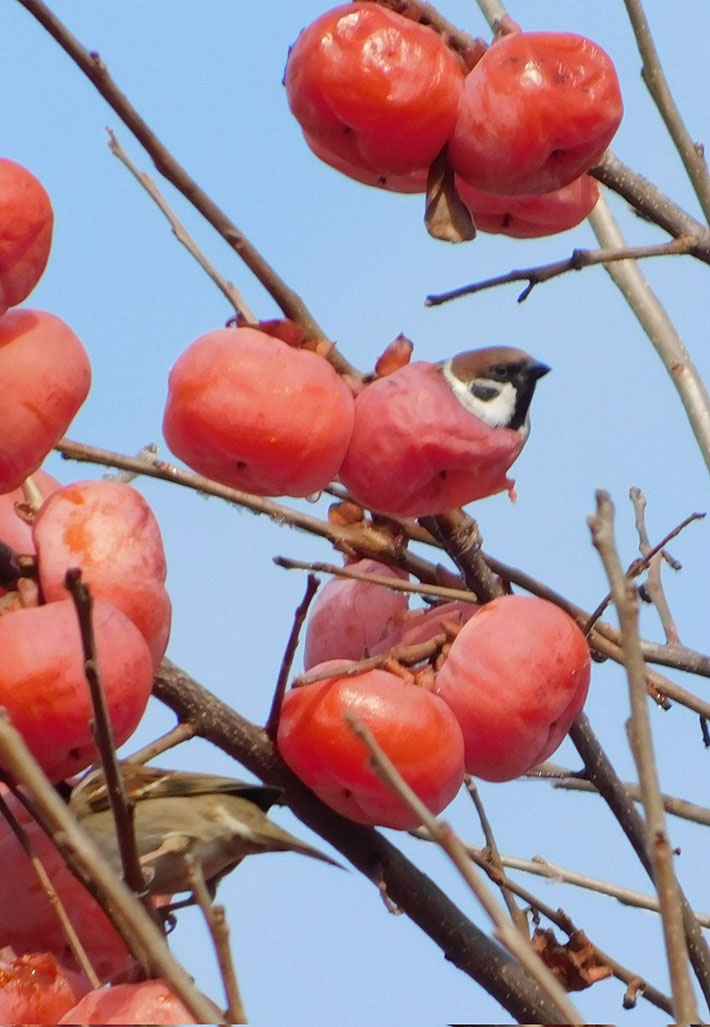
{"x":537,"y":110}
{"x":108,"y":530}
{"x":415,"y":728}
{"x":516,"y":676}
{"x":44,"y":378}
{"x":35,"y":988}
{"x":26,"y":221}
{"x":252,"y":412}
{"x":145,"y":1002}
{"x":416,"y":450}
{"x":373,"y":91}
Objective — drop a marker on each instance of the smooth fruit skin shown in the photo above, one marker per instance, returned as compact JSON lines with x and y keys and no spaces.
{"x":418,"y":626}
{"x":26,"y":221}
{"x":108,"y":530}
{"x":349,"y":617}
{"x":538,"y":110}
{"x":43,"y":687}
{"x":252,"y":412}
{"x":45,"y":376}
{"x":377,"y":90}
{"x":516,"y":677}
{"x":416,"y":451}
{"x":148,"y":1002}
{"x":414,"y":727}
{"x":414,"y":182}
{"x":531,"y":216}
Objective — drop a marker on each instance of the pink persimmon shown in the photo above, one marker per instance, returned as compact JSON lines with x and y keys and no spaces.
{"x":45,"y":376}
{"x":516,"y":676}
{"x":415,"y":728}
{"x":108,"y":530}
{"x":349,"y":616}
{"x":415,"y":450}
{"x":26,"y":221}
{"x":252,"y":412}
{"x":147,"y":1002}
{"x":43,"y":687}
{"x":374,"y":90}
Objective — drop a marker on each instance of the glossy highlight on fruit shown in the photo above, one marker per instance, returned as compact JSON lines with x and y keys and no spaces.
{"x":373,"y":90}
{"x":415,"y":728}
{"x":415,"y":450}
{"x":26,"y":222}
{"x":516,"y":676}
{"x":250,"y":411}
{"x":44,"y":378}
{"x":538,"y":110}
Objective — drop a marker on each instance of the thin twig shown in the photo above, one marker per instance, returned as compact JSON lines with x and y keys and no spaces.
{"x":216,"y":922}
{"x":545,"y":272}
{"x":465,"y":944}
{"x":600,"y":772}
{"x":456,"y":851}
{"x":568,"y":780}
{"x":601,"y":525}
{"x":272,"y":721}
{"x":182,"y":235}
{"x":655,"y":321}
{"x":175,"y":736}
{"x":460,"y":536}
{"x":653,"y":75}
{"x":637,"y":567}
{"x":409,"y":655}
{"x":121,"y":807}
{"x":73,"y":940}
{"x":95,"y":70}
{"x":653,"y":583}
{"x":137,"y":928}
{"x":516,"y":914}
{"x":561,"y":919}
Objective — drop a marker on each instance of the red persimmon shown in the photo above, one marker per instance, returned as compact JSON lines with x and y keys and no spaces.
{"x":108,"y":530}
{"x":26,"y":221}
{"x":531,"y":216}
{"x":148,"y":1002}
{"x":252,"y":412}
{"x":415,"y":728}
{"x":43,"y":687}
{"x":374,"y":90}
{"x":44,"y":378}
{"x":538,"y":110}
{"x":415,"y":450}
{"x":516,"y":676}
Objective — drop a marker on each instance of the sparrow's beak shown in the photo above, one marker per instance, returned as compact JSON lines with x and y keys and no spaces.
{"x":537,"y":370}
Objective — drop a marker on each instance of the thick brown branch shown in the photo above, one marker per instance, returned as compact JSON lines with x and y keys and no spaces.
{"x":463,"y":943}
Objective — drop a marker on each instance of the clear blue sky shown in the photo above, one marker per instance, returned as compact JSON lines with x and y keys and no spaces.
{"x":312,"y":944}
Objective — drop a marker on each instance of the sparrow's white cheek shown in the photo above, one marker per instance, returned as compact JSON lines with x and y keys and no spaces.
{"x":495,"y":403}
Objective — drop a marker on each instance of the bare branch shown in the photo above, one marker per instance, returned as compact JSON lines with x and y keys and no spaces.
{"x":579,"y":259}
{"x":624,"y":595}
{"x":653,"y":583}
{"x":182,"y":235}
{"x":653,"y":75}
{"x":272,"y":721}
{"x":442,"y":834}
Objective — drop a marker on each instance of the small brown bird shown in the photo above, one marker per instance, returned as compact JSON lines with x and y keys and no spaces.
{"x":217,"y":820}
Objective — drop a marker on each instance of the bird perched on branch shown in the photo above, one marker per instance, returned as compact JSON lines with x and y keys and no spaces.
{"x":215,"y":820}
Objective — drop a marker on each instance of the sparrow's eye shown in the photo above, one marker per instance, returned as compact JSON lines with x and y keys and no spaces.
{"x":484,"y":392}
